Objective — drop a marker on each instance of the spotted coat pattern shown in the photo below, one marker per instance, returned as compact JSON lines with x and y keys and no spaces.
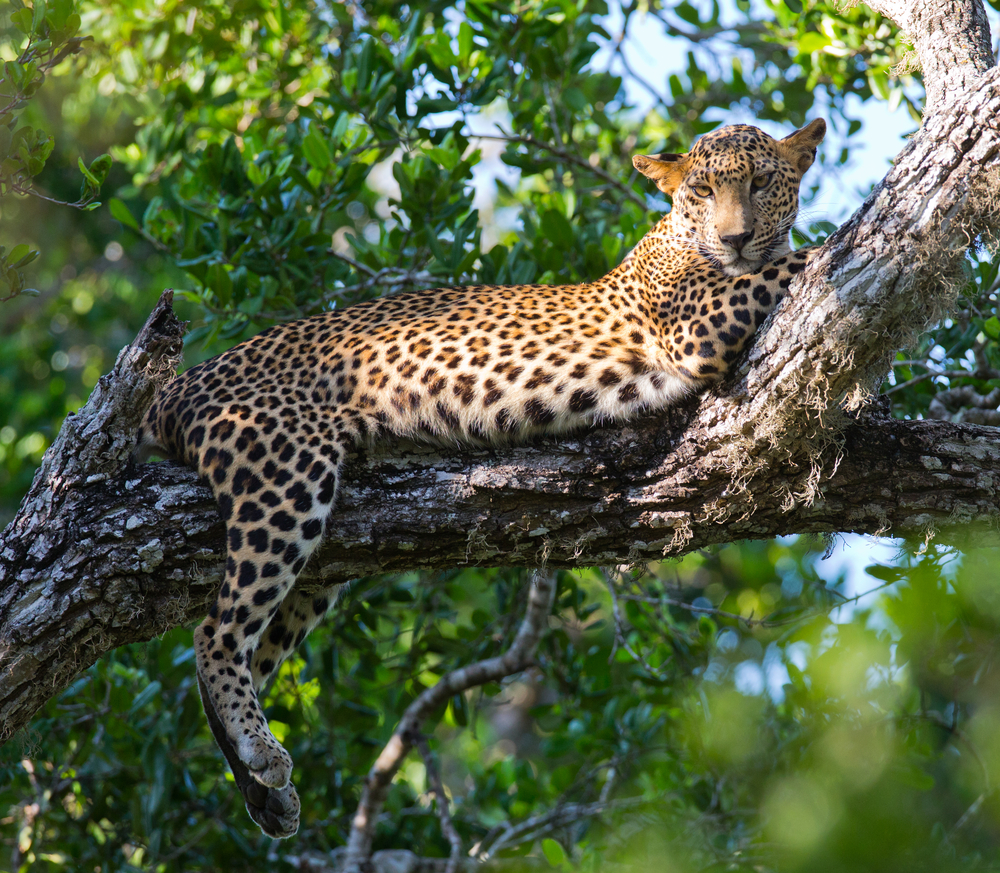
{"x":269,"y":422}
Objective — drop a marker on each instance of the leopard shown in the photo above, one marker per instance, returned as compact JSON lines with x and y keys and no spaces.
{"x":268,"y":424}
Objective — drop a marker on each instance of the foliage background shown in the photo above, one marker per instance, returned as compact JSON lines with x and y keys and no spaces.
{"x":736,"y":710}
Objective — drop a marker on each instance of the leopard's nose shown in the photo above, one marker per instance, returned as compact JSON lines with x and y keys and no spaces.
{"x":737,"y":240}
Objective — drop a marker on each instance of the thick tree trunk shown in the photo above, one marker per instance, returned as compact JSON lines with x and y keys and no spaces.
{"x":104,"y":553}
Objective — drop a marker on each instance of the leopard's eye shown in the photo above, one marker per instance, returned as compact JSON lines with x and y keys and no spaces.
{"x":702,"y":190}
{"x":761,"y":181}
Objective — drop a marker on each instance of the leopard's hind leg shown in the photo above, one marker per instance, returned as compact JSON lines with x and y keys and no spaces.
{"x":274,"y":499}
{"x":298,"y":614}
{"x":275,"y":810}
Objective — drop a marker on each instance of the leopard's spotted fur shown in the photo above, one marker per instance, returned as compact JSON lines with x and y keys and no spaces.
{"x":268,"y":423}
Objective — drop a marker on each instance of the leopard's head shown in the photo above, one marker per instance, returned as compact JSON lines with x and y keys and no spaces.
{"x":736,"y":193}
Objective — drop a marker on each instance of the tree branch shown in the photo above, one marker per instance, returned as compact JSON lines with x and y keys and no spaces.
{"x":886,"y":275}
{"x":951,"y":39}
{"x":569,"y":157}
{"x":515,"y":659}
{"x":45,"y":552}
{"x":560,"y":817}
{"x":405,"y":861}
{"x":134,"y":554}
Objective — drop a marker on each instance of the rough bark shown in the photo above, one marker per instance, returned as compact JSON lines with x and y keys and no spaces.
{"x":951,"y":40}
{"x":104,"y":553}
{"x":46,"y":559}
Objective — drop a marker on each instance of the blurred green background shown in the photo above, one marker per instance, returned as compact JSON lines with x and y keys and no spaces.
{"x":748,"y":708}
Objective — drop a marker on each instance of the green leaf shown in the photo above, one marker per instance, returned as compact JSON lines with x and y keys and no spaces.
{"x":991,"y":327}
{"x":339,"y":128}
{"x":438,"y":250}
{"x":58,"y":13}
{"x":886,"y":574}
{"x":688,"y":13}
{"x":554,"y":853}
{"x":459,"y":710}
{"x":365,"y":62}
{"x":444,"y":157}
{"x":440,"y":52}
{"x":557,"y":229}
{"x":315,"y":149}
{"x":119,"y":211}
{"x":21,"y":256}
{"x":73,"y":22}
{"x":38,"y":14}
{"x":145,"y":696}
{"x":18,"y":252}
{"x":465,"y":42}
{"x":22,"y":20}
{"x":256,"y":175}
{"x":13,"y":72}
{"x":100,"y":167}
{"x":812,"y":42}
{"x":895,"y":97}
{"x":915,"y":777}
{"x":879,"y":83}
{"x":218,"y":280}
{"x":90,"y":177}
{"x":575,"y":99}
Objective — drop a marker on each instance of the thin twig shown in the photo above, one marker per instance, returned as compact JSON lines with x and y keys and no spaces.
{"x":31,"y":191}
{"x":981,"y":373}
{"x":953,"y":728}
{"x":749,"y":621}
{"x":387,"y":277}
{"x":441,"y":801}
{"x":766,"y":621}
{"x":361,"y":268}
{"x":396,"y":860}
{"x":974,"y":808}
{"x":552,"y":111}
{"x":947,"y":374}
{"x":620,"y":632}
{"x":656,"y":95}
{"x":561,"y":816}
{"x":564,"y":155}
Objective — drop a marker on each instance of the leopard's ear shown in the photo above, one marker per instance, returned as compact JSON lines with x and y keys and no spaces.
{"x":667,"y":170}
{"x":800,"y":147}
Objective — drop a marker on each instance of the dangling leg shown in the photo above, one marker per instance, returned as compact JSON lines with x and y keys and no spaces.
{"x":274,"y":521}
{"x":275,"y":810}
{"x":298,"y":614}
